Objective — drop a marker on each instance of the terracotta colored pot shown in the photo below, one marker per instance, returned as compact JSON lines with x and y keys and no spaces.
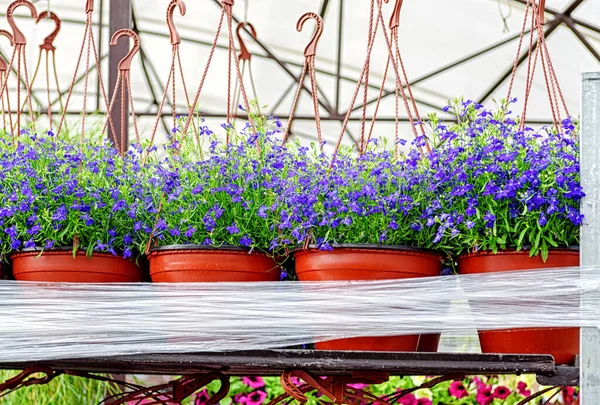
{"x":60,"y":266}
{"x":562,"y":343}
{"x":190,"y":263}
{"x":369,"y":262}
{"x":429,"y":343}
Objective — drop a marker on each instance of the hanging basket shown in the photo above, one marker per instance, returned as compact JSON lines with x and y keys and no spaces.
{"x":59,"y":265}
{"x":194,"y":263}
{"x":370,"y":262}
{"x":562,"y":343}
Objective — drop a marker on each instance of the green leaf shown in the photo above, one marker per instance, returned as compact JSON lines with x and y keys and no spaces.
{"x":544,"y":251}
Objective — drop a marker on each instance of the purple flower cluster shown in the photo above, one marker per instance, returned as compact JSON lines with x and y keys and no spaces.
{"x":226,"y":195}
{"x":500,"y":187}
{"x":368,"y":199}
{"x":59,"y":194}
{"x":486,"y":185}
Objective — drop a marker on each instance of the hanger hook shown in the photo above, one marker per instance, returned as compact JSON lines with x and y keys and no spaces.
{"x":175,"y":38}
{"x":89,"y":6}
{"x":311,"y":49}
{"x":542,"y":12}
{"x":395,"y":18}
{"x":244,"y":54}
{"x":3,"y":64}
{"x":48,"y":44}
{"x":18,"y":37}
{"x":125,"y":64}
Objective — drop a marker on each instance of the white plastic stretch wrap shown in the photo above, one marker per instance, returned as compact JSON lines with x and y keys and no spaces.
{"x":51,"y":321}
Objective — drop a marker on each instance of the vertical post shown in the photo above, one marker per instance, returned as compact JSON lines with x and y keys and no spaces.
{"x":120,"y":17}
{"x":590,"y":230}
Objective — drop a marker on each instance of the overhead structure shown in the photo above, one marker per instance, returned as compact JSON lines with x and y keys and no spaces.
{"x":464,"y":48}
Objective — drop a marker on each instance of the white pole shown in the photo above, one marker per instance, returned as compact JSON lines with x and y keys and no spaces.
{"x":590,"y":231}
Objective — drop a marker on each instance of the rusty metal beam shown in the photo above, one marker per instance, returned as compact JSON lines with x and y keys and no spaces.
{"x":120,"y":17}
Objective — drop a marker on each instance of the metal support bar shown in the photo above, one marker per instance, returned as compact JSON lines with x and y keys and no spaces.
{"x":283,"y":117}
{"x":590,"y":230}
{"x":324,"y":7}
{"x":551,"y":28}
{"x":120,"y":17}
{"x":322,"y":363}
{"x":582,"y":39}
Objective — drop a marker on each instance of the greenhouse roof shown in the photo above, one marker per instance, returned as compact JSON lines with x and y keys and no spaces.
{"x":450,"y":49}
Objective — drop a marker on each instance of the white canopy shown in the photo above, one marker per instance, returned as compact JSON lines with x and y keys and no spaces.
{"x":434,"y":34}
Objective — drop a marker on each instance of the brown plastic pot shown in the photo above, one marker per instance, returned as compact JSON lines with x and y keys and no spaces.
{"x":60,"y":266}
{"x":190,"y":263}
{"x":562,"y":343}
{"x":370,"y":262}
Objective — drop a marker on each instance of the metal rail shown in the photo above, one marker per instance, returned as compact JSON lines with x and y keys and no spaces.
{"x":322,"y":363}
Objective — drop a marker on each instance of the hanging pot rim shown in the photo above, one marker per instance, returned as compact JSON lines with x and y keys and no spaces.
{"x":366,"y":246}
{"x":508,"y":252}
{"x":199,"y":248}
{"x":62,"y":249}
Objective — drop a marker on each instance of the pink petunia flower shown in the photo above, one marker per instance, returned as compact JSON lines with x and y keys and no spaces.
{"x":357,"y":386}
{"x":522,"y":388}
{"x":480,"y":384}
{"x":458,"y":390}
{"x":147,"y":401}
{"x":408,"y":400}
{"x":253,"y":382}
{"x":202,"y":397}
{"x":484,"y":396}
{"x":568,"y":395}
{"x":240,"y":399}
{"x":424,"y":401}
{"x":501,"y":392}
{"x":256,"y":398}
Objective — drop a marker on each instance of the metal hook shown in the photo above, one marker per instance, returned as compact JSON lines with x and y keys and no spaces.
{"x":395,"y":18}
{"x":311,"y":49}
{"x":175,"y":38}
{"x":244,"y":54}
{"x":48,"y":44}
{"x":18,"y":37}
{"x":89,"y":6}
{"x":125,"y":64}
{"x":3,"y":63}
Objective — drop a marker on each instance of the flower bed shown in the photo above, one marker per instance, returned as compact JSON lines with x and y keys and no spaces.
{"x":257,"y":391}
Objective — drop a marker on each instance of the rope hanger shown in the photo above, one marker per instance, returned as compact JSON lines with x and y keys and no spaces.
{"x":401,"y":81}
{"x":20,"y":42}
{"x":175,"y":62}
{"x":89,"y":43}
{"x":245,"y":58}
{"x":4,"y":95}
{"x":536,"y":14}
{"x":226,"y":13}
{"x":124,"y":85}
{"x":48,"y":49}
{"x":309,"y":66}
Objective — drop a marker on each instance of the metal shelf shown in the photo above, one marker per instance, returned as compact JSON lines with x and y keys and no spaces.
{"x":322,"y":363}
